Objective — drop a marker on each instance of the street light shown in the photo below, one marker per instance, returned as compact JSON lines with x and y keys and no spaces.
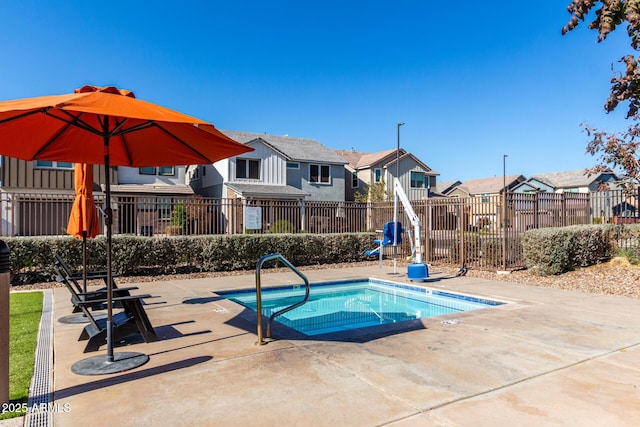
{"x":504,"y":212}
{"x":398,"y":152}
{"x":504,"y":172}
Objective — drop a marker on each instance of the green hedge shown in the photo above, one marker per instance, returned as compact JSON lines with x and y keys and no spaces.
{"x":32,"y":257}
{"x":557,"y":250}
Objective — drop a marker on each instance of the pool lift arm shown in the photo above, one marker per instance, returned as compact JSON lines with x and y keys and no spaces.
{"x":417,"y":270}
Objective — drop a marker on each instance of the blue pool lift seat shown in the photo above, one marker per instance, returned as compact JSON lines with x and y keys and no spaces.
{"x":387,"y":238}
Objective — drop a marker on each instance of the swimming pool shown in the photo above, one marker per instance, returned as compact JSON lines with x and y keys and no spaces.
{"x":344,"y":305}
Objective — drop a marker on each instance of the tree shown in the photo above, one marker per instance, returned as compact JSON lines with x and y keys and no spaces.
{"x":619,"y":150}
{"x":373,"y":193}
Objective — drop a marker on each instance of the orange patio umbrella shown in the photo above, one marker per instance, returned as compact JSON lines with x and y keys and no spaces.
{"x":83,"y":221}
{"x":107,"y":125}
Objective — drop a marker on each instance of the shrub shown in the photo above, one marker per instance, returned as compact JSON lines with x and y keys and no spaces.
{"x":557,"y":250}
{"x":282,"y":226}
{"x":173,"y":230}
{"x":32,"y":257}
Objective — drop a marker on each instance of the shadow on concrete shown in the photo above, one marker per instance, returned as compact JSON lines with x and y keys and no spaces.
{"x":130,"y":376}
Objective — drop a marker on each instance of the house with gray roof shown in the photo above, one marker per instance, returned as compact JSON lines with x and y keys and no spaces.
{"x":445,"y":187}
{"x":365,"y":169}
{"x":576,"y":181}
{"x":280,"y":167}
{"x":485,"y":187}
{"x":485,"y":209}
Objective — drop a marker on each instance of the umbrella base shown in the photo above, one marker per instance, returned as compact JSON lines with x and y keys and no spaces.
{"x":100,"y":365}
{"x":78,"y":318}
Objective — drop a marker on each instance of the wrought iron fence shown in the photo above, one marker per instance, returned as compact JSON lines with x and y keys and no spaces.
{"x":483,"y":232}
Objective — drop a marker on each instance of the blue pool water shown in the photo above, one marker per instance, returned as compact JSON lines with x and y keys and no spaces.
{"x":339,"y":306}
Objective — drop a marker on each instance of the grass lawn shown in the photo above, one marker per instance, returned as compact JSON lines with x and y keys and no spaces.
{"x":25,"y":310}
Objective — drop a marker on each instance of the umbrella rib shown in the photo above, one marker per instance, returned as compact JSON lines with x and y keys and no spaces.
{"x":141,"y":126}
{"x":55,"y":136}
{"x":20,"y":116}
{"x":121,"y":134}
{"x":125,"y":148}
{"x":183,"y":143}
{"x":74,"y":121}
{"x":115,"y":131}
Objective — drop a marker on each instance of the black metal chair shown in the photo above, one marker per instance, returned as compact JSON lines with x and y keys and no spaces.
{"x":90,"y":299}
{"x":74,"y":277}
{"x":131,"y":320}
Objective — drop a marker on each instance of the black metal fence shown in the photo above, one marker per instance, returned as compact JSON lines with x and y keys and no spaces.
{"x":482,"y":231}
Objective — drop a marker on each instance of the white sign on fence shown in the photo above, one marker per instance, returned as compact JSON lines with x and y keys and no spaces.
{"x":253,"y":218}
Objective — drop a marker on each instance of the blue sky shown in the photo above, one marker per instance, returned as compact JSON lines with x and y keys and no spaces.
{"x":470,"y":83}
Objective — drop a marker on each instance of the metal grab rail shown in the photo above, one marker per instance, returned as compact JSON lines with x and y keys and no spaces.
{"x":261,"y":261}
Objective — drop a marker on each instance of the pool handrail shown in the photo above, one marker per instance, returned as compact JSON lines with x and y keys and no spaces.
{"x":261,"y":261}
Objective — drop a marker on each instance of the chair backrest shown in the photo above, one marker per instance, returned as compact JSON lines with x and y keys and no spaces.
{"x":65,"y":272}
{"x":62,"y":264}
{"x":75,"y":298}
{"x":388,"y":232}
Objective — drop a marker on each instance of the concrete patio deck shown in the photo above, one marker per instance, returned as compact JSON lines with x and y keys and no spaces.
{"x":550,"y":357}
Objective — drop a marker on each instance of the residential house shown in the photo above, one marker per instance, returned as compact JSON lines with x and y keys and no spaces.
{"x":604,"y":206}
{"x":445,"y":187}
{"x":36,"y":196}
{"x":576,"y":181}
{"x":485,"y":201}
{"x":366,"y":169}
{"x":485,"y":187}
{"x":145,"y":198}
{"x":280,"y":167}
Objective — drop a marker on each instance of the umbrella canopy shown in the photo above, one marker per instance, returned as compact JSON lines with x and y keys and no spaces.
{"x":83,"y":221}
{"x":110,"y":126}
{"x":73,"y":128}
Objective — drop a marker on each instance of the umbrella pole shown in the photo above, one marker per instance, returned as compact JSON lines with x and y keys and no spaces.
{"x":109,"y":221}
{"x":84,"y":262}
{"x":126,"y":360}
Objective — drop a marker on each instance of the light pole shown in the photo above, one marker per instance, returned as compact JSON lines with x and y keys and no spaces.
{"x":395,"y":204}
{"x":504,"y":172}
{"x":398,"y":152}
{"x":504,"y":212}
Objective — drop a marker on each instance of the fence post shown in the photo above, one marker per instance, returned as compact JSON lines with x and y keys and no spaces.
{"x":504,"y":230}
{"x":5,"y":267}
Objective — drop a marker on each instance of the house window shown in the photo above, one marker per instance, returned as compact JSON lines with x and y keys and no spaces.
{"x":570,"y":190}
{"x":247,"y":169}
{"x":418,"y":180}
{"x":354,"y":179}
{"x":164,"y":208}
{"x":377,"y":175}
{"x":319,"y":174}
{"x":167,"y":171}
{"x":147,"y":171}
{"x":53,"y":165}
{"x":485,"y":198}
{"x":293,"y":165}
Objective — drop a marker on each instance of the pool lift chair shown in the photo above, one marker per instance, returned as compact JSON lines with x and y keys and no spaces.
{"x":388,"y":233}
